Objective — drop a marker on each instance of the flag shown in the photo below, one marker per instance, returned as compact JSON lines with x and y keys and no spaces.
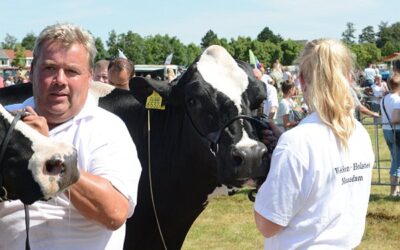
{"x":168,"y":59}
{"x":121,"y":54}
{"x":253,"y":59}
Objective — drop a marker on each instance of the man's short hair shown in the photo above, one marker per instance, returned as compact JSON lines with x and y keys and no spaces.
{"x":120,"y":63}
{"x":66,"y":35}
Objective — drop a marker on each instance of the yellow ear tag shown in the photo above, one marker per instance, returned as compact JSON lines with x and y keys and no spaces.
{"x":154,"y":101}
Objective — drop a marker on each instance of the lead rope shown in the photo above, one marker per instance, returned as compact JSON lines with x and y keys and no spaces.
{"x":150,"y":181}
{"x":27,"y":246}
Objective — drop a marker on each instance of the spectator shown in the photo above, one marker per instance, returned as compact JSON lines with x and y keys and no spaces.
{"x":359,"y":107}
{"x":277,"y":74}
{"x":317,"y":191}
{"x":100,"y":72}
{"x":120,"y":71}
{"x":285,"y":117}
{"x":92,"y":213}
{"x":9,"y":81}
{"x":390,"y":109}
{"x":270,"y":105}
{"x":369,"y":76}
{"x":170,"y":76}
{"x":379,"y":89}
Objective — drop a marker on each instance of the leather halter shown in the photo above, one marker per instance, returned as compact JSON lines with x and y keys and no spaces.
{"x":214,"y":137}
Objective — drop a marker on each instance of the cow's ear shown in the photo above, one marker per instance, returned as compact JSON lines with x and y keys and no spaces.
{"x":142,"y":87}
{"x":256,"y":91}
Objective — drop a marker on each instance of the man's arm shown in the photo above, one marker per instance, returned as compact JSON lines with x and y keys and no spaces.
{"x":88,"y":196}
{"x":272,"y":112}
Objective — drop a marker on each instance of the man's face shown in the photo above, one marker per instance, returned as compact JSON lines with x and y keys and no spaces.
{"x":101,"y":75}
{"x":61,"y":78}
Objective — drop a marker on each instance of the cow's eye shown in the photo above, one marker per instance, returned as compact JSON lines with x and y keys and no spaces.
{"x":191,"y":102}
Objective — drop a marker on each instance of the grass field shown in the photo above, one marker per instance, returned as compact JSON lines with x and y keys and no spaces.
{"x":228,"y":223}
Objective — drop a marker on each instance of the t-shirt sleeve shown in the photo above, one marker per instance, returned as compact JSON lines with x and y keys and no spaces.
{"x":285,"y":190}
{"x":116,"y":160}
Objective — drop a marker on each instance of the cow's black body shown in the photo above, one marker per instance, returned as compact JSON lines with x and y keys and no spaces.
{"x":183,"y":169}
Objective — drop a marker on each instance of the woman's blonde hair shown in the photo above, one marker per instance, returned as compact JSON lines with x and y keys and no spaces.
{"x":326,"y":65}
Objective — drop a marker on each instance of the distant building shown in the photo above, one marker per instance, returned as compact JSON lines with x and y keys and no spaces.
{"x":8,"y":55}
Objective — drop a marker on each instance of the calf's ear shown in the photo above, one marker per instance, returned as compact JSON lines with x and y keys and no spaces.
{"x":142,"y":87}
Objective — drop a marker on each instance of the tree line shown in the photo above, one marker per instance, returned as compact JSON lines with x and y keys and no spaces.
{"x":268,"y":46}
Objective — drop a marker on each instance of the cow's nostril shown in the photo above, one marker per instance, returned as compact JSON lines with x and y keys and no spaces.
{"x":55,"y":167}
{"x":237,"y":157}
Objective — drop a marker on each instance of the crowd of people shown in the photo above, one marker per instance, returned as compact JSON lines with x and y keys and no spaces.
{"x":314,"y":196}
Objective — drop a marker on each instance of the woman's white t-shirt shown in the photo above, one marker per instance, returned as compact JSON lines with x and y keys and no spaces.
{"x":316,"y":191}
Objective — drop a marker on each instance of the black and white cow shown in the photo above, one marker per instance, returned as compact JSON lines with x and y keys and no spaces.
{"x":33,"y":166}
{"x":202,"y":139}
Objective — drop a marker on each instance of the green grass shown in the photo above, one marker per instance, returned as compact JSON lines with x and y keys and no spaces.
{"x":228,"y":222}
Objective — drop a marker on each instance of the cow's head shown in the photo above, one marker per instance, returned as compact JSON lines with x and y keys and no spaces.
{"x":217,"y":95}
{"x":33,"y":166}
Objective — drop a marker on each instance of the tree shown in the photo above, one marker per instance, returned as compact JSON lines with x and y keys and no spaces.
{"x":365,"y":53}
{"x":19,"y":60}
{"x":267,"y":35}
{"x":390,"y":47}
{"x":208,"y":39}
{"x":28,"y":42}
{"x":9,"y":42}
{"x":101,"y":51}
{"x":240,"y":48}
{"x":192,"y":52}
{"x":290,"y":51}
{"x":367,"y":35}
{"x":388,"y":33}
{"x":348,"y":35}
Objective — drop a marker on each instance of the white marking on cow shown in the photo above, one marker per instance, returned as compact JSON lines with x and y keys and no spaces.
{"x":100,"y":89}
{"x":220,"y":70}
{"x":43,"y":149}
{"x":221,"y":191}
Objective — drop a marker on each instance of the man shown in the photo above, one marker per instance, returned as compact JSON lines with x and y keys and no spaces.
{"x":120,"y":71}
{"x":271,"y":104}
{"x":92,"y":213}
{"x":369,"y":76}
{"x":100,"y":72}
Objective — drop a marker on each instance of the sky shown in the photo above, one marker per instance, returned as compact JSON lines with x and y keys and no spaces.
{"x":189,"y":20}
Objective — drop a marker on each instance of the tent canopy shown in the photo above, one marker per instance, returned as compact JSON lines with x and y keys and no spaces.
{"x":392,"y":57}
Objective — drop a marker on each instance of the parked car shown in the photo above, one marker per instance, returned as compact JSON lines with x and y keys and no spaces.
{"x":385,"y":74}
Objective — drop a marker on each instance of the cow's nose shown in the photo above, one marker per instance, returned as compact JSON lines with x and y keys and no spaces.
{"x":250,"y":156}
{"x":55,"y":166}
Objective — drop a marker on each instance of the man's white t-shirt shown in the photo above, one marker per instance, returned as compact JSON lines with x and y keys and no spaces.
{"x":317,"y":192}
{"x":272,"y":98}
{"x":104,"y":148}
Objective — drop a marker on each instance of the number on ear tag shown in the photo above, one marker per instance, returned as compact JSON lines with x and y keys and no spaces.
{"x":154,"y":101}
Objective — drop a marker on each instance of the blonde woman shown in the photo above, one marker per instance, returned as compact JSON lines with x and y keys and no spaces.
{"x":317,"y":191}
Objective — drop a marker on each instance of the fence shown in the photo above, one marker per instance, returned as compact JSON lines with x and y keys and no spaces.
{"x":381,"y":151}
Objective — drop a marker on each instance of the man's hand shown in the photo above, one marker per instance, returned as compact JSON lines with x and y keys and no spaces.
{"x":37,"y":122}
{"x":271,"y":136}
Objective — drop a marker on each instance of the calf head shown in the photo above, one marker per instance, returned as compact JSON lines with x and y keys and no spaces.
{"x":33,"y":166}
{"x":217,"y":95}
